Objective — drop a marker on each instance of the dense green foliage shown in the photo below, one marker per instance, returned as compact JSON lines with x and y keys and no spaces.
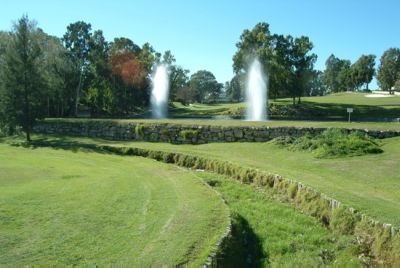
{"x":22,"y":89}
{"x":341,"y":75}
{"x":83,"y":74}
{"x":288,"y":61}
{"x":389,"y":70}
{"x":332,"y":143}
{"x":76,"y":207}
{"x":203,"y":88}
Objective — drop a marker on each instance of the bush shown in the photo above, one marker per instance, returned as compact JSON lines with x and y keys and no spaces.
{"x":139,"y":131}
{"x":168,"y":157}
{"x":189,"y":134}
{"x":343,"y":221}
{"x":332,"y":143}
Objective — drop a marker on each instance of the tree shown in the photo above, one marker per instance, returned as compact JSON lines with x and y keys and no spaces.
{"x":235,"y":88}
{"x":22,"y":94}
{"x":303,"y":63}
{"x":204,"y":86}
{"x":389,"y":69}
{"x":178,"y":77}
{"x":77,"y":42}
{"x":122,"y":44}
{"x":128,"y":67}
{"x":5,"y":127}
{"x":288,"y":62}
{"x":253,"y":44}
{"x":363,"y":70}
{"x":332,"y":69}
{"x":337,"y":74}
{"x":178,"y":80}
{"x":131,"y":68}
{"x":99,"y":94}
{"x":318,"y":87}
{"x":5,"y":38}
{"x":280,"y":67}
{"x":344,"y":79}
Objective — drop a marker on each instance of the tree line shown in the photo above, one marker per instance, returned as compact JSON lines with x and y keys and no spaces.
{"x":289,"y":66}
{"x":83,"y":73}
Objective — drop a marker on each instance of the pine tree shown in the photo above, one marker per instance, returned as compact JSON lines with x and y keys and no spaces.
{"x":23,"y":100}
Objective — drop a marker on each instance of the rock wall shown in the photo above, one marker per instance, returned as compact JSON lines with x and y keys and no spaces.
{"x":181,"y":133}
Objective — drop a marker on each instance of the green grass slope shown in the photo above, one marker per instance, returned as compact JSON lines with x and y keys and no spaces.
{"x":369,"y":183}
{"x":74,"y":207}
{"x":329,"y":107}
{"x":268,"y":233}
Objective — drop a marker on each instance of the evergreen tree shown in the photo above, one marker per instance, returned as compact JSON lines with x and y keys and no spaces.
{"x":23,"y":89}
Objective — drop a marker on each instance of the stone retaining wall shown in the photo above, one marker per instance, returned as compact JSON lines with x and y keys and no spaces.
{"x":183,"y":133}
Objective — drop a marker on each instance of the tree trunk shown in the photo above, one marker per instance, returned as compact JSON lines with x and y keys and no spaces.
{"x":78,"y":89}
{"x":48,"y":106}
{"x":77,"y":93}
{"x":28,"y":135}
{"x":294,"y":100}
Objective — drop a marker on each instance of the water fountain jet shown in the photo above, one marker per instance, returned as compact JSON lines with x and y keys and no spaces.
{"x":256,"y":93}
{"x":159,"y":93}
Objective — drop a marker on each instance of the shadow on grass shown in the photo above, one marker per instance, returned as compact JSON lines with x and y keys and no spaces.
{"x":334,"y":111}
{"x":243,"y":248}
{"x":59,"y":142}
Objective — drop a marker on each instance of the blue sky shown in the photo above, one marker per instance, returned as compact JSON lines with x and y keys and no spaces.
{"x":202,"y":34}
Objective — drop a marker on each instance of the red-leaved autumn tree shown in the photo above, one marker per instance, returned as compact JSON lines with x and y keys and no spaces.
{"x":129,"y":68}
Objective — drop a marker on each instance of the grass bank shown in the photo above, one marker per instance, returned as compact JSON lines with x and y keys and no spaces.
{"x":227,"y":123}
{"x":266,"y":232}
{"x":374,"y":242}
{"x":369,"y":183}
{"x":76,"y":207}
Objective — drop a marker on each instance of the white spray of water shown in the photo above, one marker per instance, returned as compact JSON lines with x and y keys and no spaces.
{"x":159,"y":93}
{"x":256,"y":93}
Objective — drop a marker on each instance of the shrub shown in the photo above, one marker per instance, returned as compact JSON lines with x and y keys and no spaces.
{"x":168,"y":157}
{"x":189,"y":134}
{"x":292,"y":190}
{"x":200,"y":163}
{"x":332,"y":143}
{"x":343,"y":220}
{"x":263,"y":179}
{"x":396,"y":251}
{"x":284,"y":140}
{"x":139,"y":130}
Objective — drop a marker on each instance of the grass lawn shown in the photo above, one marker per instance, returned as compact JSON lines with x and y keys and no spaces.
{"x":365,"y":108}
{"x":369,"y":183}
{"x":329,"y":107}
{"x":76,"y":207}
{"x":269,"y":233}
{"x":124,"y":213}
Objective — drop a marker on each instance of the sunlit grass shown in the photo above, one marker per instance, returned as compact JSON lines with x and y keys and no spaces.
{"x":369,"y":183}
{"x":267,"y":232}
{"x":75,"y":207}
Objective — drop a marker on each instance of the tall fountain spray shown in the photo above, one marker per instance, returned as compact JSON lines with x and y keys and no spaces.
{"x":256,"y":93}
{"x":159,"y":93}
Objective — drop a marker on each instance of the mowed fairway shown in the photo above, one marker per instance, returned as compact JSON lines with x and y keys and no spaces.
{"x":59,"y":207}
